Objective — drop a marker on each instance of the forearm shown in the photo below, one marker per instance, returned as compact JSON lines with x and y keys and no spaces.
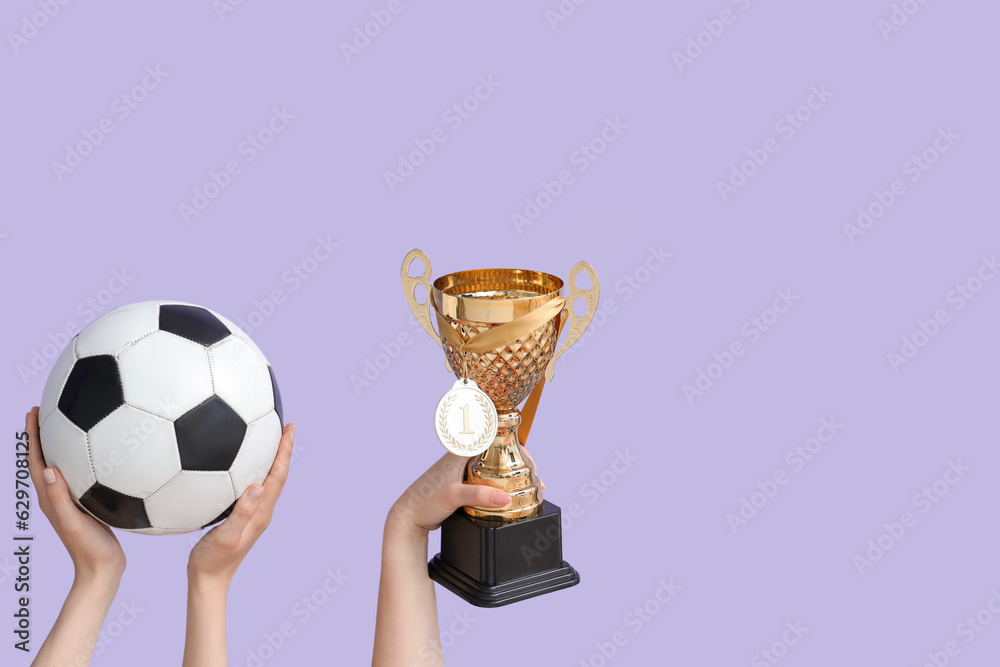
{"x":406,"y":625}
{"x":74,"y":635}
{"x":205,"y":637}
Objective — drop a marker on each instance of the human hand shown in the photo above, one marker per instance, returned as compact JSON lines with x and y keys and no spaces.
{"x":98,"y":561}
{"x":406,"y":623}
{"x":217,"y":555}
{"x":93,"y":547}
{"x":436,"y":494}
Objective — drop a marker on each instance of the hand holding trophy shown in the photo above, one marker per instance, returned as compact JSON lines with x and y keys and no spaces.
{"x":499,"y":329}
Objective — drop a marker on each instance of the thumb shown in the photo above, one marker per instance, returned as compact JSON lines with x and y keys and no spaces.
{"x":479,"y":495}
{"x":243,"y":511}
{"x":57,"y":493}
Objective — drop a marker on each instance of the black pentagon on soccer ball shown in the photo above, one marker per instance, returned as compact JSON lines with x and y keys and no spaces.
{"x":209,"y":436}
{"x":114,"y":508}
{"x":277,"y":396}
{"x":92,"y":391}
{"x":193,"y":323}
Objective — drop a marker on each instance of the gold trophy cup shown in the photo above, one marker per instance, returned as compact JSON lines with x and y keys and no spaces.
{"x":500,"y":328}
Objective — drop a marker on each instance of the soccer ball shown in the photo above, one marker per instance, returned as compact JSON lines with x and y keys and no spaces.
{"x":159,"y":415}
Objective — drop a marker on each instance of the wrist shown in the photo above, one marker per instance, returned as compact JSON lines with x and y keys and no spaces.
{"x":102,"y":576}
{"x":205,"y":585}
{"x":98,"y":590}
{"x":208,"y":581}
{"x":402,"y":539}
{"x":402,"y":521}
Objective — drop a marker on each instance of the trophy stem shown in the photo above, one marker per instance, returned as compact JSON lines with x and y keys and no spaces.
{"x":506,"y":466}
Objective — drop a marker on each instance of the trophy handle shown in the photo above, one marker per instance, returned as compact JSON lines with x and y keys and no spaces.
{"x":422,"y":311}
{"x":577,"y":324}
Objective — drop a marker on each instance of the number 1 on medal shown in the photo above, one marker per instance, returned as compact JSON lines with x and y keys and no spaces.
{"x":465,"y":421}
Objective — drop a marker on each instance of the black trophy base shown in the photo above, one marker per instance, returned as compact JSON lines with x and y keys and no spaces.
{"x":492,"y":564}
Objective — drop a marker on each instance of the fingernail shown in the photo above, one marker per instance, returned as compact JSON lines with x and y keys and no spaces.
{"x":500,"y":498}
{"x":293,"y":433}
{"x":256,"y":492}
{"x":49,"y":476}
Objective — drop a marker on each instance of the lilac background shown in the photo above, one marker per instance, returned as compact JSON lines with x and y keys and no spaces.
{"x":663,"y":518}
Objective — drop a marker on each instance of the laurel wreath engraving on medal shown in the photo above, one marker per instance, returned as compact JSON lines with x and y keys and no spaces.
{"x":487,"y":435}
